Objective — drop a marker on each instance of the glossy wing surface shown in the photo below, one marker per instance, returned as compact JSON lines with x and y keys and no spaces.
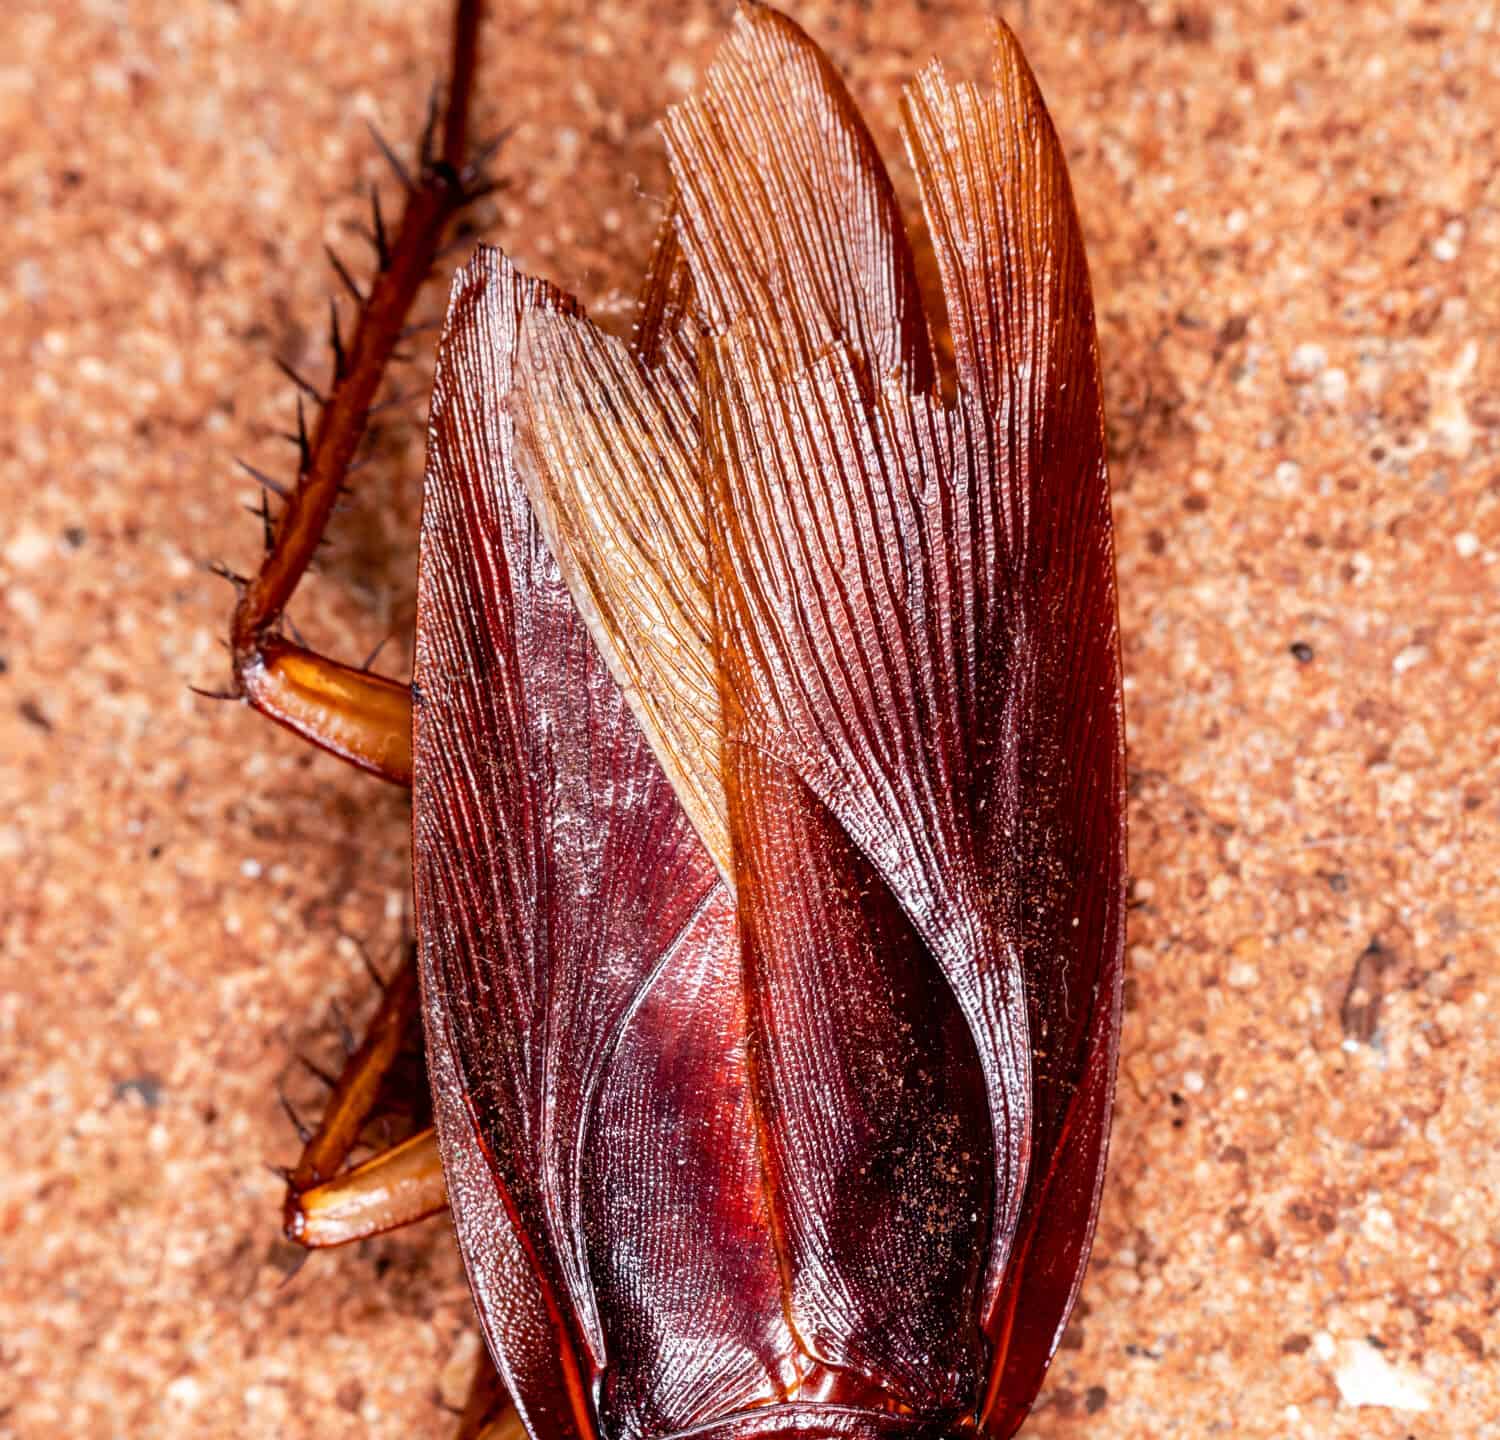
{"x":873,"y":641}
{"x":837,"y":637}
{"x":918,"y":615}
{"x":676,"y":1206}
{"x":786,"y":215}
{"x":845,"y":581}
{"x":610,"y":453}
{"x":872,"y":1102}
{"x":558,"y":880}
{"x":1010,"y":250}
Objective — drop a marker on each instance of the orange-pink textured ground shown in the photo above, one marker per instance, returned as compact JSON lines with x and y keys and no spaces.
{"x":1293,"y":213}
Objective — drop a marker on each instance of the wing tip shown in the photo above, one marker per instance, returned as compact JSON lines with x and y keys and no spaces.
{"x":1009,"y":76}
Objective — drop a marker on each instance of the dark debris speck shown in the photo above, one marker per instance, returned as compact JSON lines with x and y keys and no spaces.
{"x":1470,"y":1340}
{"x":1359,"y":1013}
{"x":33,"y":714}
{"x":146,"y":1085}
{"x":1234,"y":329}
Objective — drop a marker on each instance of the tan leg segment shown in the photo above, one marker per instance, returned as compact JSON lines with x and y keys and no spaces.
{"x":397,"y":1187}
{"x":362,"y":718}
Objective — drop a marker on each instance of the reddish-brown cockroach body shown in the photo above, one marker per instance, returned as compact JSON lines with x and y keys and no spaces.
{"x":766,"y":748}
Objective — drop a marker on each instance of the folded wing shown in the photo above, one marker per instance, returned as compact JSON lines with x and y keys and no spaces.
{"x":1010,"y":250}
{"x":566,"y":906}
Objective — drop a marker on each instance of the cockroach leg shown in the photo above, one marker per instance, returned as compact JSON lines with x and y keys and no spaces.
{"x":355,"y":714}
{"x":360,"y":717}
{"x":397,"y":1187}
{"x":488,"y":1413}
{"x":381,"y":1186}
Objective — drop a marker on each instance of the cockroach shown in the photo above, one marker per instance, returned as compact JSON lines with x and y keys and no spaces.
{"x":766,"y":747}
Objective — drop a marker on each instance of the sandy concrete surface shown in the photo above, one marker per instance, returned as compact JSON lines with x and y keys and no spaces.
{"x":1292,"y":218}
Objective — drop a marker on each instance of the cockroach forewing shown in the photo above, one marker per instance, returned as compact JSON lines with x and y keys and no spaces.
{"x":477,"y":873}
{"x":916,"y":614}
{"x":582,"y":994}
{"x":907,"y":612}
{"x":1000,"y":211}
{"x":841,"y":602}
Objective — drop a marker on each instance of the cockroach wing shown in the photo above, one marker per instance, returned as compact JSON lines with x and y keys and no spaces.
{"x":581,"y":982}
{"x":840,"y":611}
{"x":916,"y":617}
{"x":609,"y":450}
{"x":872,"y":1107}
{"x":1046,"y":662}
{"x":871,"y":1095}
{"x":907,"y":612}
{"x":786,"y":216}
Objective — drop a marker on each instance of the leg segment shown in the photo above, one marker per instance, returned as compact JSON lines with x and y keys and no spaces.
{"x":397,"y":1187}
{"x":355,"y":1095}
{"x":360,"y":717}
{"x":364,"y":718}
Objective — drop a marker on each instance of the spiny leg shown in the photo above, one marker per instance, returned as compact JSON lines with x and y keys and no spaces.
{"x":326,"y":1205}
{"x":361,"y":717}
